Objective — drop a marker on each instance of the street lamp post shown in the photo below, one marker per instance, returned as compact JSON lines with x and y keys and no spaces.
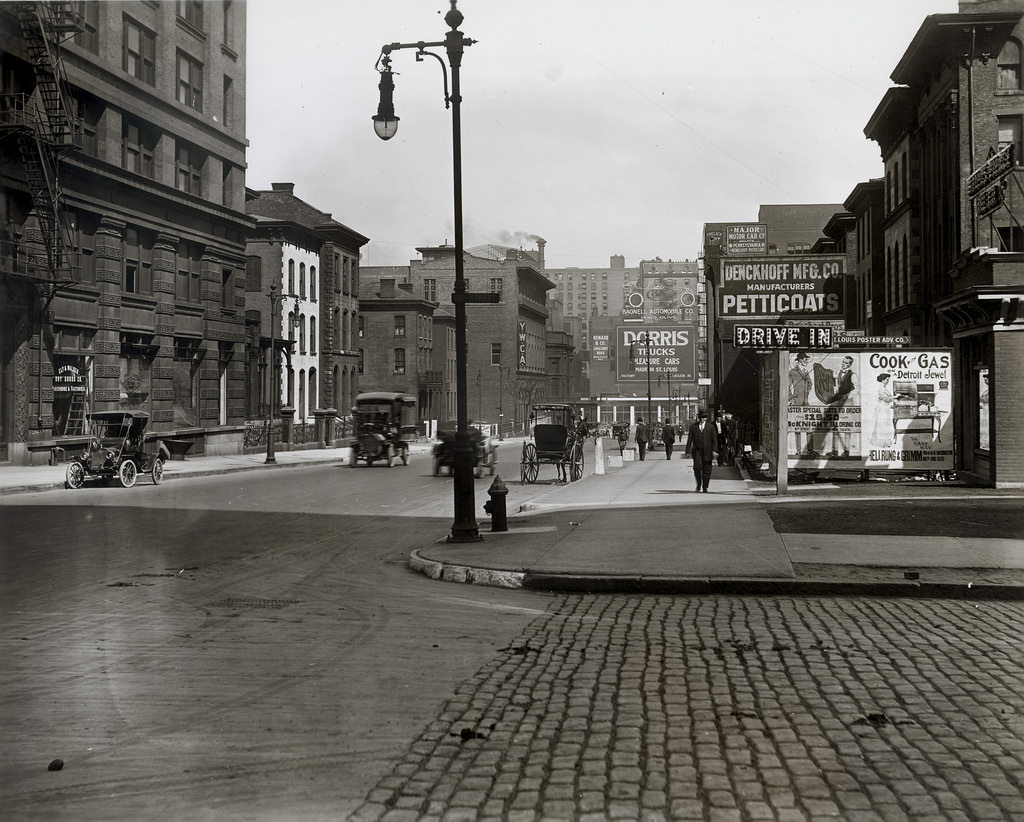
{"x":385,"y":124}
{"x":647,"y":340}
{"x":275,"y":301}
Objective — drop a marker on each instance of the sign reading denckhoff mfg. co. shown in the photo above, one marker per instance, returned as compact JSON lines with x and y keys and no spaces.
{"x":797,"y":287}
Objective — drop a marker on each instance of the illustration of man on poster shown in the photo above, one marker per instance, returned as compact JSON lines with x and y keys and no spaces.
{"x":838,"y":391}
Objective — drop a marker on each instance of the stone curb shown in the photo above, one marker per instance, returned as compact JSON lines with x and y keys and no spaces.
{"x":618,"y":584}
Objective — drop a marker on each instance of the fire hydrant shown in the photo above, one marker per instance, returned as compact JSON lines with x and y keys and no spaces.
{"x":495,"y":506}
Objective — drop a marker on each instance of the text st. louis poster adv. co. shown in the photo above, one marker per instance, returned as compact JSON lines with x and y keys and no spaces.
{"x":871,"y":409}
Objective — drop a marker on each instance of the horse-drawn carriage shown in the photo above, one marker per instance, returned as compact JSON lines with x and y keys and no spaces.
{"x":557,"y":440}
{"x":385,"y":425}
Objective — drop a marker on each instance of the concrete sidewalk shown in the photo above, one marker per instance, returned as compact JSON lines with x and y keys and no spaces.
{"x":642,"y":528}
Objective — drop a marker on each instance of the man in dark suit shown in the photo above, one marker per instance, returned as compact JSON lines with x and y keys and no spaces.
{"x":702,"y":445}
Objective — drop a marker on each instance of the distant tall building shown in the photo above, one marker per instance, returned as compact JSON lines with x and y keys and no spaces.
{"x":592,"y":292}
{"x":122,"y":222}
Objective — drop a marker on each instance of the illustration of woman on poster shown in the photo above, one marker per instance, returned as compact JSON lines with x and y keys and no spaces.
{"x":883,"y":431}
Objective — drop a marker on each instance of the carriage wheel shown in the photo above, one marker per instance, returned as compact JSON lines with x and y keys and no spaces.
{"x":75,"y":476}
{"x":127,"y":473}
{"x":156,"y":470}
{"x":576,"y":462}
{"x":530,"y":465}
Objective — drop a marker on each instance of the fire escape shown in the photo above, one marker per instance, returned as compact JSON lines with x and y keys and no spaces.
{"x":43,"y":127}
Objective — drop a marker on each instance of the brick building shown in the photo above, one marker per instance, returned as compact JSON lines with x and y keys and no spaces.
{"x":122,"y":224}
{"x":314,"y":261}
{"x":950,"y":135}
{"x":506,"y":360}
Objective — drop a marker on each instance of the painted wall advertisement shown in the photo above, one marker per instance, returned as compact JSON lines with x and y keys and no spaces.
{"x":888,"y":409}
{"x":662,"y":299}
{"x":782,"y":287}
{"x":672,"y":349}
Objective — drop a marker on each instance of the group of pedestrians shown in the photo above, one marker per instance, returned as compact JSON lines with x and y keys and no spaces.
{"x":706,"y":442}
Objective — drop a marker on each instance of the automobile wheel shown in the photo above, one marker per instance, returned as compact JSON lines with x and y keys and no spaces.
{"x":156,"y":470}
{"x":75,"y":476}
{"x":127,"y":474}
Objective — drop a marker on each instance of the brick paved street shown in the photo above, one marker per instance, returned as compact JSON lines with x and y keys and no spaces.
{"x":730,"y":708}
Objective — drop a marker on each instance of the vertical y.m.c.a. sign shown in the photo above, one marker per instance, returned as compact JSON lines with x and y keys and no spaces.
{"x":522,"y":344}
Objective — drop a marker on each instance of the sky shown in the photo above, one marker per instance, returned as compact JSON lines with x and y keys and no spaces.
{"x":605,"y":127}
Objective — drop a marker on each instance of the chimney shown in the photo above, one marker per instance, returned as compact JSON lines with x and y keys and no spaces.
{"x":287,"y":188}
{"x":540,"y":252}
{"x":387,"y":289}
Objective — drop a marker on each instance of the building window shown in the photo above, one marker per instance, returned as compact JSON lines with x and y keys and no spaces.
{"x":1009,"y":76}
{"x":302,"y":333}
{"x":138,"y":141}
{"x":253,"y":274}
{"x":399,"y":361}
{"x":228,"y":113}
{"x":495,"y":353}
{"x":138,"y":269}
{"x":430,"y":290}
{"x":186,"y":287}
{"x":189,"y":164}
{"x":226,"y":33}
{"x":399,"y":325}
{"x":227,"y":290}
{"x":190,"y":82}
{"x":312,"y":283}
{"x":497,"y":285}
{"x":291,"y":276}
{"x":192,"y":12}
{"x":89,"y":16}
{"x":1010,"y":134}
{"x":139,"y":54}
{"x":312,"y":335}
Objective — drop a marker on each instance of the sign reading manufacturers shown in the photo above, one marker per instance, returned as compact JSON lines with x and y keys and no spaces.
{"x":672,"y":348}
{"x":746,"y":238}
{"x":806,"y":287}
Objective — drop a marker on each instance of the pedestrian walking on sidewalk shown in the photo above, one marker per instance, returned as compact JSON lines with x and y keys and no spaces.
{"x":642,"y":437}
{"x":702,"y":446}
{"x":668,"y":437}
{"x":723,"y":436}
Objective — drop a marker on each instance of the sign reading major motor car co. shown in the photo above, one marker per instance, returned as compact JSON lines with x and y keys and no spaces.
{"x":746,"y":238}
{"x":806,"y":287}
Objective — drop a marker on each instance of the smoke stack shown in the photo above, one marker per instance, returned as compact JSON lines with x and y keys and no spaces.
{"x":540,"y":252}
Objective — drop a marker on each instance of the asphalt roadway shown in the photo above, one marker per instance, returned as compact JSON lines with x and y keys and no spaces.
{"x":640,"y":527}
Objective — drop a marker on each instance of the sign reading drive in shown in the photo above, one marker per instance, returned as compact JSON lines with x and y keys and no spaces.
{"x":673,"y":352}
{"x":804,"y":287}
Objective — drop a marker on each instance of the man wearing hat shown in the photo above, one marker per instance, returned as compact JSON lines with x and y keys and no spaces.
{"x":800,"y":386}
{"x":702,"y":446}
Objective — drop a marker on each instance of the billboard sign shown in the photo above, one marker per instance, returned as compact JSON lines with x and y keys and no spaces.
{"x":881,"y":409}
{"x":746,"y":238}
{"x":808,"y":287}
{"x":673,"y":351}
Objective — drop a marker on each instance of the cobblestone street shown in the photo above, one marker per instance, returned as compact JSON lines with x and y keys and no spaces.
{"x":645,"y":707}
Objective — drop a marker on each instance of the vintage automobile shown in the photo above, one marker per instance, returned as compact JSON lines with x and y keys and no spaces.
{"x":118,"y":449}
{"x":385,"y":425}
{"x":485,"y":450}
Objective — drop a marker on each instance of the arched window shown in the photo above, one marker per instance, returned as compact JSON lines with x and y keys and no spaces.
{"x":302,"y":280}
{"x":302,"y":333}
{"x":1009,"y":73}
{"x":301,"y":407}
{"x":312,"y":335}
{"x":312,"y":389}
{"x":291,"y":276}
{"x":312,"y":283}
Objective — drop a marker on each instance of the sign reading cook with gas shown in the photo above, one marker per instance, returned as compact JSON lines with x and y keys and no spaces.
{"x":806,"y":287}
{"x":673,"y":351}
